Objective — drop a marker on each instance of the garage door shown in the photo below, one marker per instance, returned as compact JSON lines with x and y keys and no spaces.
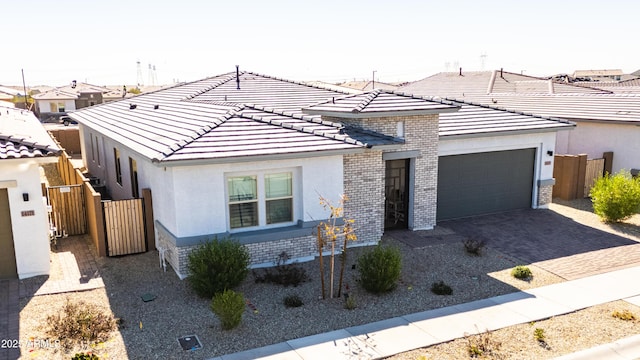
{"x":483,"y":183}
{"x":7,"y":252}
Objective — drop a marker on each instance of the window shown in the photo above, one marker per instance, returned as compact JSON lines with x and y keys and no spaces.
{"x":260,"y":200}
{"x":279,"y":198}
{"x":98,"y":150}
{"x":93,"y":150}
{"x":53,"y":106}
{"x":133,"y":171}
{"x":243,"y":201}
{"x":61,"y":107}
{"x":116,"y":157}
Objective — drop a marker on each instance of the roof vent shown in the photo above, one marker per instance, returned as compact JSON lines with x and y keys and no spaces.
{"x":238,"y":77}
{"x":460,"y":72}
{"x":132,"y":106}
{"x":156,"y":107}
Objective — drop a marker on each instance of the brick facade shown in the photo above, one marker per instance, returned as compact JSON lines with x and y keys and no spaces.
{"x":364,"y":173}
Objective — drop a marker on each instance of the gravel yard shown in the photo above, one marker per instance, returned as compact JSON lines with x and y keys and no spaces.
{"x":150,"y":330}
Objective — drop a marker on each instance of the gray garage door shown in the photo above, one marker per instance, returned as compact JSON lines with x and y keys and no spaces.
{"x":483,"y":183}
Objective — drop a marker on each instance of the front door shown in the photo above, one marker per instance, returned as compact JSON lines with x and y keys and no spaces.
{"x":396,"y":193}
{"x":7,"y":251}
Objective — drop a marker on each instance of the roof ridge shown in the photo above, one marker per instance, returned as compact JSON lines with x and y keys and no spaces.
{"x":368,"y":98}
{"x":224,"y":80}
{"x":295,"y":82}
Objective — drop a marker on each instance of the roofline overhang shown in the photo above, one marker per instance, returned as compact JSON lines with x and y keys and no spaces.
{"x":35,"y":159}
{"x":379,"y":114}
{"x":387,"y":147}
{"x":253,"y":158}
{"x":604,"y":121}
{"x":505,"y":133}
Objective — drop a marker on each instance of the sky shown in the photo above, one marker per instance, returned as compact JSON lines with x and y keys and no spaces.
{"x":102,"y":42}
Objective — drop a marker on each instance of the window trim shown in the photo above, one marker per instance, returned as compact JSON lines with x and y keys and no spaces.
{"x":116,"y":156}
{"x":133,"y":173}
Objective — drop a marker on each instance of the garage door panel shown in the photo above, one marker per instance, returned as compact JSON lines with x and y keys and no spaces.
{"x":482,"y":183}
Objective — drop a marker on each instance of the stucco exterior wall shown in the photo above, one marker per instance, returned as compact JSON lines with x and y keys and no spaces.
{"x":594,"y":139}
{"x":30,"y":232}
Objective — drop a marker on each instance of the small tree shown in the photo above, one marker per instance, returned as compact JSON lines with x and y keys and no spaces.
{"x":328,"y":234}
{"x":616,"y":198}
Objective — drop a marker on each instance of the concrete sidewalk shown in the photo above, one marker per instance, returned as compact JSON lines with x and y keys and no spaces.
{"x":389,"y":337}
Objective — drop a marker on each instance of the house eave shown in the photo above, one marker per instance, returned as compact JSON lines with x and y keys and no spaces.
{"x":254,"y":158}
{"x":503,"y":133}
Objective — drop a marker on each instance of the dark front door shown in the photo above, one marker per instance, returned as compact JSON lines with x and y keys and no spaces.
{"x":396,"y":193}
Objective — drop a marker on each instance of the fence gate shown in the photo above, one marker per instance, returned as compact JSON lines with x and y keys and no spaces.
{"x":68,"y":214}
{"x":593,"y":172}
{"x":124,"y":226}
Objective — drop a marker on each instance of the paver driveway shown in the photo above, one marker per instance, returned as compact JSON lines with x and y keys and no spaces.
{"x":551,"y":241}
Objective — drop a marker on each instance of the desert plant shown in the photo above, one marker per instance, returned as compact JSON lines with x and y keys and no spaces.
{"x":474,"y":245}
{"x":380,"y":269}
{"x":328,"y":233}
{"x":624,"y":315}
{"x":521,"y":272}
{"x":483,"y":345}
{"x":350,"y":302}
{"x":83,"y":356}
{"x":293,"y":301}
{"x":538,"y":334}
{"x":440,"y":288}
{"x":80,"y":322}
{"x":616,"y":198}
{"x":228,"y":306}
{"x":283,"y":273}
{"x":216,"y":266}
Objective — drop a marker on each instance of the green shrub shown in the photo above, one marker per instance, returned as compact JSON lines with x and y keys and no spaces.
{"x":380,"y":269}
{"x":228,"y":306}
{"x":293,"y":301}
{"x":440,"y":288}
{"x":350,"y":302}
{"x":521,"y":272}
{"x":83,"y":356}
{"x":216,"y":266}
{"x":616,"y":198}
{"x":474,"y":245}
{"x":80,"y":322}
{"x":538,"y":334}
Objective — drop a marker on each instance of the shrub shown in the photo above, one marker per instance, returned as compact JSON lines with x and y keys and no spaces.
{"x":440,"y":288}
{"x":483,"y":345}
{"x":616,"y":198}
{"x":538,"y":334}
{"x":216,"y":266}
{"x":83,"y":356}
{"x":521,"y":272}
{"x":228,"y":306}
{"x":293,"y":301}
{"x":80,"y":322}
{"x":474,"y":245}
{"x":350,"y":302}
{"x":624,"y":315}
{"x":380,"y":269}
{"x":283,"y":273}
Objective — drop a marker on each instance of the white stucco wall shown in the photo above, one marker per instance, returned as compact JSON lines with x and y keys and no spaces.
{"x":30,"y":233}
{"x":594,"y":139}
{"x":201,"y":202}
{"x":542,"y":142}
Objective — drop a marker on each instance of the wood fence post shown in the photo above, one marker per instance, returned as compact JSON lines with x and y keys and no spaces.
{"x":608,"y":162}
{"x":148,"y":219}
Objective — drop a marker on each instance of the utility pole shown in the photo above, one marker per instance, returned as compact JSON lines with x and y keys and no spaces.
{"x":24,"y":86}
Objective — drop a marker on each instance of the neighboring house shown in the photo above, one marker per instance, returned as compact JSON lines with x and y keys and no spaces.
{"x":248,"y":156}
{"x":368,"y":85}
{"x":60,"y":100}
{"x":605,"y":121}
{"x":599,"y":75}
{"x":24,"y":229}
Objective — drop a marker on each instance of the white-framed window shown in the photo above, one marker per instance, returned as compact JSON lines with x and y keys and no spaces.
{"x":262,"y":199}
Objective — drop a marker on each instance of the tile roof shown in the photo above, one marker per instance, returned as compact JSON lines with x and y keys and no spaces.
{"x":23,"y":136}
{"x":470,"y":85}
{"x":212,"y":120}
{"x":378,"y":103}
{"x":68,"y":92}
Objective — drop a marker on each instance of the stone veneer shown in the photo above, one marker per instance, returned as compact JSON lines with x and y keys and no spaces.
{"x":364,"y":173}
{"x":545,"y":195}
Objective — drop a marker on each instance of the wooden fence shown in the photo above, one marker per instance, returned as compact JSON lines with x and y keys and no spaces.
{"x":124,"y":223}
{"x":575,"y":174}
{"x":68,"y":214}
